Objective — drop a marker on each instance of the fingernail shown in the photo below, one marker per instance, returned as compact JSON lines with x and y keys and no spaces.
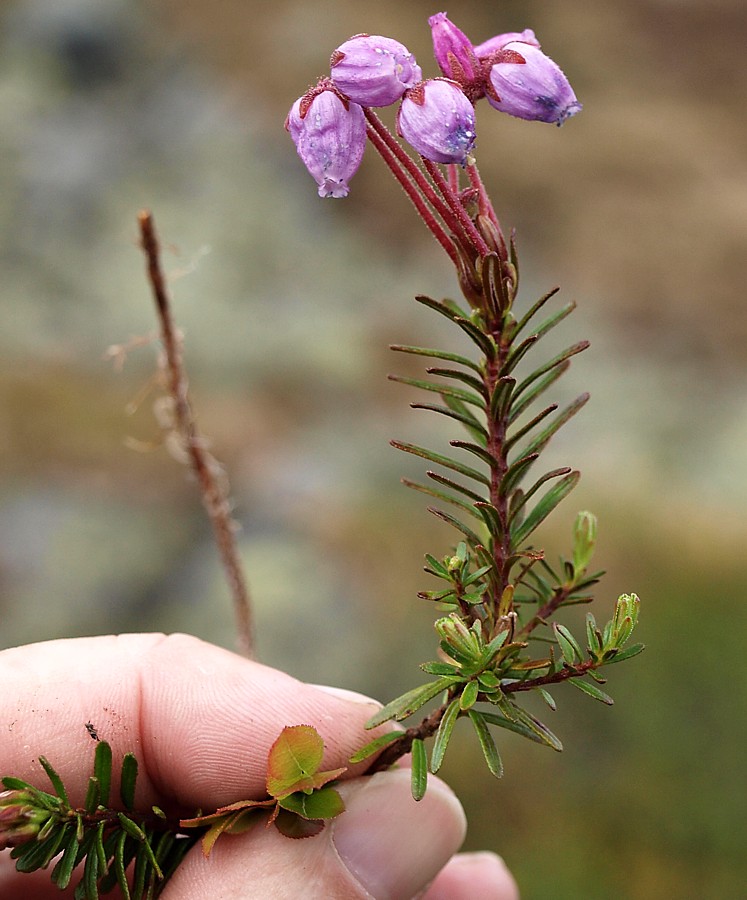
{"x":392,"y":845}
{"x":345,"y":694}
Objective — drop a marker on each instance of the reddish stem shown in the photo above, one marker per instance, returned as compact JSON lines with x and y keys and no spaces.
{"x":475,"y":238}
{"x":485,"y":205}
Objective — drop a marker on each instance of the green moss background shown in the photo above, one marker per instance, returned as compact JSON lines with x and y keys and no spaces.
{"x":637,"y":207}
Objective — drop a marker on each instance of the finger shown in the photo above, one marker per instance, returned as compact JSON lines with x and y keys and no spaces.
{"x":470,"y":875}
{"x":200,"y":719}
{"x":30,"y":885}
{"x":384,"y":846}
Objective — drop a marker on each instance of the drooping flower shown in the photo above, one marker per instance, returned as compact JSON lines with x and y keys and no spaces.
{"x":330,"y":136}
{"x":529,"y":85}
{"x":438,"y":120}
{"x":373,"y":70}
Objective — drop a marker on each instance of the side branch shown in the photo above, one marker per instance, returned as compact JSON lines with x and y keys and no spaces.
{"x":214,"y":495}
{"x":390,"y":754}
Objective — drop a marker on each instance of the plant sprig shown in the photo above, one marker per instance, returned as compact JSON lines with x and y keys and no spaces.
{"x":498,"y":586}
{"x":117,"y":847}
{"x":137,"y":852}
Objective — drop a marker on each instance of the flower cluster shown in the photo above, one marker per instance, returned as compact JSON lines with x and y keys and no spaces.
{"x":436,"y":116}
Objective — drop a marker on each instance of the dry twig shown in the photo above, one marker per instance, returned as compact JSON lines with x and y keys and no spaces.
{"x":214,"y":492}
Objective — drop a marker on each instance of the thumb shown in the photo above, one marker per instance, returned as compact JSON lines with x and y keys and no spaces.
{"x":384,"y":846}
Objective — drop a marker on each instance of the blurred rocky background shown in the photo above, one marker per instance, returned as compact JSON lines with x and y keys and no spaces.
{"x":637,"y":207}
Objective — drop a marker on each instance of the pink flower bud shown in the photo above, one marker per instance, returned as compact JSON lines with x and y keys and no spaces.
{"x":20,"y":820}
{"x":330,"y":137}
{"x":529,"y":85}
{"x":438,"y":120}
{"x":453,"y":50}
{"x":373,"y":70}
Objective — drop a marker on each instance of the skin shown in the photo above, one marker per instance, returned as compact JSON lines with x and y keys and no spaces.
{"x":201,"y":721}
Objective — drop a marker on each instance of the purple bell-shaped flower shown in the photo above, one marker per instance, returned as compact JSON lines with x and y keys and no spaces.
{"x":330,"y":137}
{"x":529,"y":85}
{"x":373,"y":70}
{"x":438,"y":120}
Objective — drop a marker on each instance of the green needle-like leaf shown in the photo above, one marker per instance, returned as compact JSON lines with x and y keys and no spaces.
{"x":102,"y":770}
{"x":468,"y":696}
{"x":485,"y":343}
{"x":543,"y":508}
{"x":489,"y":750}
{"x":479,"y":452}
{"x":438,"y":354}
{"x":63,"y":871}
{"x":541,"y":730}
{"x":474,"y":540}
{"x":443,"y":735}
{"x":520,"y":498}
{"x":55,"y":779}
{"x":515,"y":357}
{"x":131,"y":827}
{"x":419,"y":771}
{"x":410,"y":702}
{"x":454,"y":485}
{"x":441,"y":495}
{"x":501,"y":398}
{"x":525,"y":429}
{"x":569,"y":646}
{"x":492,"y":519}
{"x":554,"y":319}
{"x":515,"y":472}
{"x":470,"y":422}
{"x":443,"y":389}
{"x":92,"y":796}
{"x":38,"y":854}
{"x":374,"y":746}
{"x":532,"y":311}
{"x":477,"y":384}
{"x":558,"y":360}
{"x":449,"y":309}
{"x":592,"y":690}
{"x":127,"y":780}
{"x":88,"y":887}
{"x":120,"y":864}
{"x":627,"y":653}
{"x":543,"y":438}
{"x":520,"y":406}
{"x":444,"y":461}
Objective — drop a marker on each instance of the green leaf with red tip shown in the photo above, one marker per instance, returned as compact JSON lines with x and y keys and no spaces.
{"x":293,"y":762}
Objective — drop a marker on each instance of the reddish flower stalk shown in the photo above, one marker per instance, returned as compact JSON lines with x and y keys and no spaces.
{"x":485,"y":204}
{"x":476,"y":240}
{"x":417,"y":187}
{"x":403,"y":177}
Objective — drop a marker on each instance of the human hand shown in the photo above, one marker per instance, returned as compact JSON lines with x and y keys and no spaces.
{"x":201,"y":721}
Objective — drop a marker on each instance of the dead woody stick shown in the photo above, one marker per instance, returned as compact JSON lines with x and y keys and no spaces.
{"x":214,"y":494}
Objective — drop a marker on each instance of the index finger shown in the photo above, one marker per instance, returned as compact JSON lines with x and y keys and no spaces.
{"x":199,"y":719}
